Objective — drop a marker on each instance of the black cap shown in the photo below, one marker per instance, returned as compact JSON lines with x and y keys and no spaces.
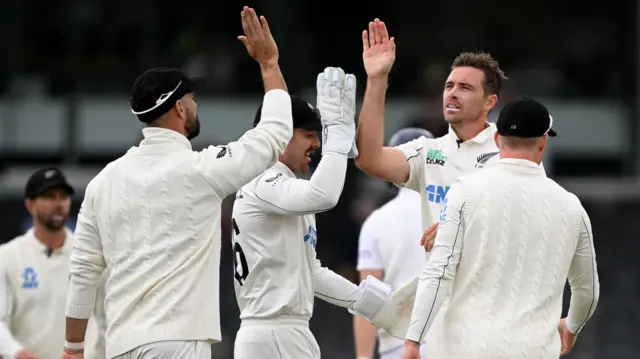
{"x":526,"y":118}
{"x":45,"y":179}
{"x":156,"y":91}
{"x":304,"y":115}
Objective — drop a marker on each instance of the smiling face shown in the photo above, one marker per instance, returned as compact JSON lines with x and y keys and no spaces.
{"x":297,"y":155}
{"x":51,"y":208}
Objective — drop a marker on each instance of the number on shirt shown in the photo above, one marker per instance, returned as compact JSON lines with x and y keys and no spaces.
{"x":239,"y":259}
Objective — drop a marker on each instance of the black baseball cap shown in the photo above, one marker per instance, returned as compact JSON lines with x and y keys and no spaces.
{"x":305,"y":115}
{"x":156,"y":91}
{"x":44,"y":180}
{"x":526,"y":118}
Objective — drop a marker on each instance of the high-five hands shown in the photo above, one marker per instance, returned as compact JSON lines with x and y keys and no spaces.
{"x":378,"y":50}
{"x":258,"y":39}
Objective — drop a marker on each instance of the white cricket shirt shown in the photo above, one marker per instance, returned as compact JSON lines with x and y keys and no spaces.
{"x":277,"y":273}
{"x":435,"y":164}
{"x":390,"y":241}
{"x":152,"y":219}
{"x":508,"y":239}
{"x":33,"y":293}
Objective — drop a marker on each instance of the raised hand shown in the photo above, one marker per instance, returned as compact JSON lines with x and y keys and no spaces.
{"x":258,"y":39}
{"x":378,"y":50}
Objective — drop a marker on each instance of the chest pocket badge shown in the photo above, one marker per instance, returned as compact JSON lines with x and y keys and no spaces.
{"x":29,"y":278}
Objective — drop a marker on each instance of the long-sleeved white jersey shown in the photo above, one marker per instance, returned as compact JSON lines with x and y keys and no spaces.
{"x":274,"y":240}
{"x":152,"y":219}
{"x":508,"y":239}
{"x":33,"y":293}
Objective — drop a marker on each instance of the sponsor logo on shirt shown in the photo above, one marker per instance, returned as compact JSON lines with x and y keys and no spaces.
{"x":436,"y":194}
{"x":443,"y":210}
{"x":484,"y":158}
{"x":223,"y":152}
{"x":29,"y":278}
{"x":311,"y":236}
{"x":435,"y":157}
{"x":273,"y":180}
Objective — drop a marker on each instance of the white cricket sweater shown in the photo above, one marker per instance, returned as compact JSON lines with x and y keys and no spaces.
{"x":152,"y":219}
{"x":510,"y":237}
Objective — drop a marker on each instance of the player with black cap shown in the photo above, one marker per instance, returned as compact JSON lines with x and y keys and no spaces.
{"x":152,"y":217}
{"x":277,"y":273}
{"x":509,"y":237}
{"x":34,"y":272}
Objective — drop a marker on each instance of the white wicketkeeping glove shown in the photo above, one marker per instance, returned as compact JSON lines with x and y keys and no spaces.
{"x":392,"y":312}
{"x":336,"y":101}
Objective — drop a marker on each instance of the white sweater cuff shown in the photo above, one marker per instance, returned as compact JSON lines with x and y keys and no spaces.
{"x":79,"y":311}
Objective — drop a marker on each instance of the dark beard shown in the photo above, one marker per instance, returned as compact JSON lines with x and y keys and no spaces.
{"x":192,"y":128}
{"x":50,"y":224}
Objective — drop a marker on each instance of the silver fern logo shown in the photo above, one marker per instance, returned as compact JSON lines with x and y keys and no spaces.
{"x":484,"y":158}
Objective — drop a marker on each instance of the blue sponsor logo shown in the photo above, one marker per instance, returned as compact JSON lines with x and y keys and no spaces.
{"x":436,"y":194}
{"x":29,"y":278}
{"x":443,"y":210}
{"x":311,"y":236}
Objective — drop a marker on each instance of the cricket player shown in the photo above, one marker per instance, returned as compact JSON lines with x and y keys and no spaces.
{"x":387,"y":250}
{"x":508,"y":239}
{"x":429,"y":166}
{"x":34,"y":274}
{"x":275,"y":235}
{"x":152,"y":217}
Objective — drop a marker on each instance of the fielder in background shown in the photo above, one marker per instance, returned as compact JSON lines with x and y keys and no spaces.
{"x":509,"y":237}
{"x":277,"y":273}
{"x":152,"y":217}
{"x":388,"y":250}
{"x":34,"y":275}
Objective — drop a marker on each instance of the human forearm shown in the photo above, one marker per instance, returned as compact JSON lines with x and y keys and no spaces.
{"x":365,"y":337}
{"x":370,"y":136}
{"x":272,"y":77}
{"x":76,"y":330}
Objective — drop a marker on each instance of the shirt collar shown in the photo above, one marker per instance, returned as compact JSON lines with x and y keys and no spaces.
{"x":284,"y":168}
{"x":482,"y":137}
{"x":158,"y":135}
{"x":67,"y":246}
{"x":519,"y":162}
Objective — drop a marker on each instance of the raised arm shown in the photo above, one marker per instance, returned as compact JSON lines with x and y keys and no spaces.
{"x":388,"y":163}
{"x":227,"y":168}
{"x":282,"y":194}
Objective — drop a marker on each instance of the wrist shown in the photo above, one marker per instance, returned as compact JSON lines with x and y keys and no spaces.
{"x":379,"y":80}
{"x":364,"y":357}
{"x":72,"y":347}
{"x":270,"y":66}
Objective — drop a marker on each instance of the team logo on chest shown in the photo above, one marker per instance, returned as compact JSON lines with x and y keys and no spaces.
{"x":484,"y":158}
{"x":29,"y":278}
{"x":435,"y":157}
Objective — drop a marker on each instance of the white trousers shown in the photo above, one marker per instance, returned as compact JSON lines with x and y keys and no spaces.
{"x":170,"y":350}
{"x":282,"y":338}
{"x":396,"y":352}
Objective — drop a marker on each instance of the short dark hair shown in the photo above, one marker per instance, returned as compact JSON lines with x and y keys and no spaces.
{"x":484,"y":62}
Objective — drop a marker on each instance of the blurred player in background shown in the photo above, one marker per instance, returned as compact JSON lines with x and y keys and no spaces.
{"x":277,"y":273}
{"x":387,"y":250}
{"x":429,"y":166}
{"x":509,"y":237}
{"x":152,"y":217}
{"x":34,"y":274}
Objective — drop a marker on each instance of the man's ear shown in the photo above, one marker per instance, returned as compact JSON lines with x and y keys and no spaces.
{"x":495,"y":139}
{"x":29,"y":204}
{"x":492,"y":100}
